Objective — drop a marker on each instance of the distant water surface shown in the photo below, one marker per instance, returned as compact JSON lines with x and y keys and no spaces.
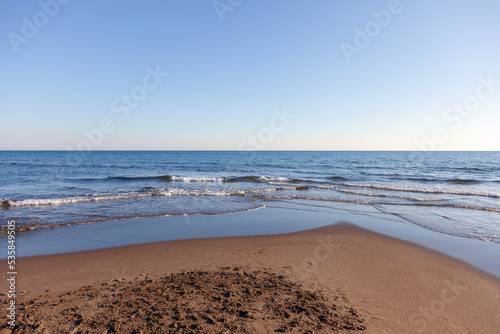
{"x":456,"y":193}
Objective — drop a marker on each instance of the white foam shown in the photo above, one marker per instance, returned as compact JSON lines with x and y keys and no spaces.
{"x":425,"y":190}
{"x":281,"y":179}
{"x":117,"y":196}
{"x":197,"y":179}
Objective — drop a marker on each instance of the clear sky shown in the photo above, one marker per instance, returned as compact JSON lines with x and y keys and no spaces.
{"x":350,"y":75}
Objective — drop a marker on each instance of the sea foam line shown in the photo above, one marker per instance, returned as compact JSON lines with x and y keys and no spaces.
{"x":340,"y":200}
{"x":424,"y":190}
{"x":154,"y":192}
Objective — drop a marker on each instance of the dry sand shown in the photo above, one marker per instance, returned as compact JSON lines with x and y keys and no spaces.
{"x":339,"y":278}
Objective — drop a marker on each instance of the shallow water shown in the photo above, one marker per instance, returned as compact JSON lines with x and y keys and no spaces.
{"x":280,"y":217}
{"x":455,"y":193}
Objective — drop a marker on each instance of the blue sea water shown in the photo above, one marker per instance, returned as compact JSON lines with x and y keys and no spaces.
{"x":455,"y":193}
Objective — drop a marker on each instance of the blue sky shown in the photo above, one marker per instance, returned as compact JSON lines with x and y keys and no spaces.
{"x":228,"y":78}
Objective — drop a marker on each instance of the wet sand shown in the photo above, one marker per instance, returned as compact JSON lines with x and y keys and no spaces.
{"x":338,"y":278}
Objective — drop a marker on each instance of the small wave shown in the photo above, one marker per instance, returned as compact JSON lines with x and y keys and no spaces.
{"x":196,"y":179}
{"x":71,"y":200}
{"x":468,"y":207}
{"x":312,"y":198}
{"x":251,"y":178}
{"x":418,"y":179}
{"x":336,"y":178}
{"x":352,"y":201}
{"x":423,"y":179}
{"x":417,"y":199}
{"x":284,"y":187}
{"x":130,"y":178}
{"x":9,"y":203}
{"x":171,"y":178}
{"x":471,"y":169}
{"x":125,"y":178}
{"x":253,"y":191}
{"x":174,"y":178}
{"x":424,"y":190}
{"x":462,"y":181}
{"x":166,"y":178}
{"x":457,"y":206}
{"x":326,"y":187}
{"x":262,"y":179}
{"x":142,"y":193}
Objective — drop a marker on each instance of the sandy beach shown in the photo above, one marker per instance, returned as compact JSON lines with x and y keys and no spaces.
{"x":339,"y":278}
{"x":236,"y":166}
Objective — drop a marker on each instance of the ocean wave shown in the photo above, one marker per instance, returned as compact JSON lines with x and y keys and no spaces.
{"x":424,"y":190}
{"x":142,"y":193}
{"x":166,"y":178}
{"x":331,"y":180}
{"x":326,"y":187}
{"x":352,"y":201}
{"x":175,"y":178}
{"x":196,"y":179}
{"x":423,"y":179}
{"x":336,"y":178}
{"x":314,"y":198}
{"x":417,"y":199}
{"x":9,"y":203}
{"x":463,"y":181}
{"x":419,"y":179}
{"x":330,"y":190}
{"x":124,"y":178}
{"x":261,"y":179}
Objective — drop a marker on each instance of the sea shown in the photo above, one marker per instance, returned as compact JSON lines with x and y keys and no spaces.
{"x":452,"y":193}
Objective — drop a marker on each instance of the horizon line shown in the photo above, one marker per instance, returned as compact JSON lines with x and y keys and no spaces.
{"x":235,"y":150}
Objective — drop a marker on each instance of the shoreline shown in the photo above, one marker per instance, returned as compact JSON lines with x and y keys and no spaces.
{"x":273,"y":219}
{"x":393,"y":284}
